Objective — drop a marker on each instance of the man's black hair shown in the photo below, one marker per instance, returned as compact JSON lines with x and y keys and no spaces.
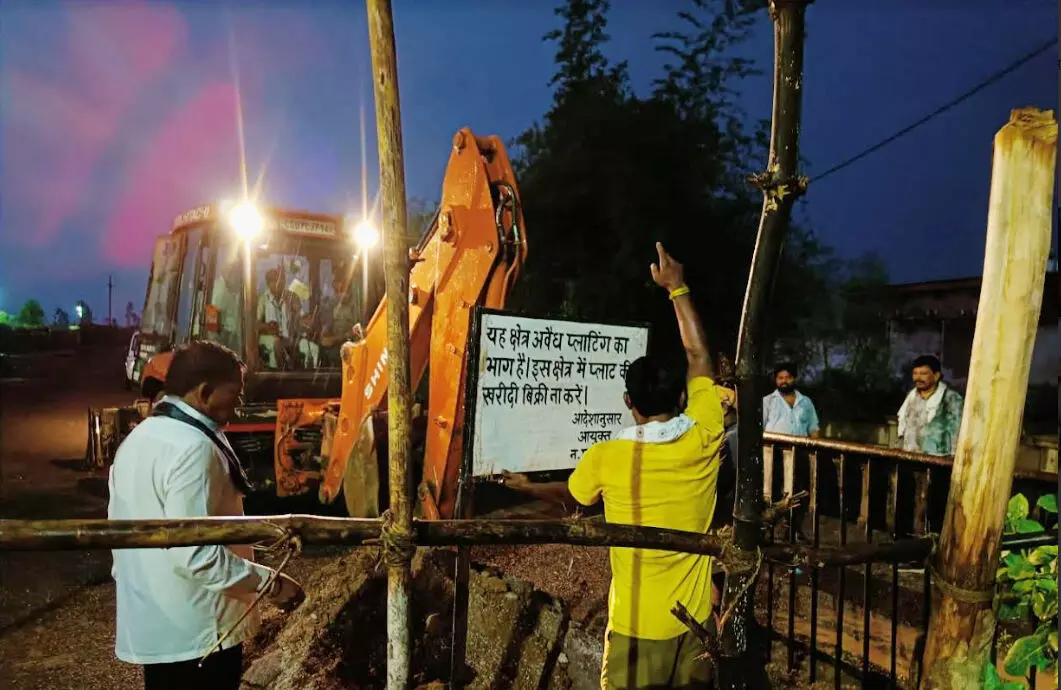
{"x":930,"y":361}
{"x":786,"y":366}
{"x":202,"y":362}
{"x":654,"y":388}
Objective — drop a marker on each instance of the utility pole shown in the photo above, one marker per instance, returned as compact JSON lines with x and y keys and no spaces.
{"x":781,"y":185}
{"x":397,"y":533}
{"x":110,"y":292}
{"x":1019,"y":215}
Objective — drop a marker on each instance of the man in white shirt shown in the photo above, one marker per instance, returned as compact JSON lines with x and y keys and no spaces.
{"x":278,"y":312}
{"x":175,"y":604}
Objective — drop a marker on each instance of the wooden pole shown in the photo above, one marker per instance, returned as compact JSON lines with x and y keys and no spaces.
{"x":780,"y":185}
{"x":67,"y":535}
{"x":398,"y":533}
{"x":1019,"y":217}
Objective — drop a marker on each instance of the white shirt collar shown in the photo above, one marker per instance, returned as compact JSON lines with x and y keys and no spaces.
{"x":190,"y":411}
{"x":658,"y":432}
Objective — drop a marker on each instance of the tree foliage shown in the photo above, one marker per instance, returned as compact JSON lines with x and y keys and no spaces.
{"x":1028,"y":588}
{"x":418,"y":215}
{"x":605,"y":173}
{"x":32,"y":314}
{"x":83,"y":313}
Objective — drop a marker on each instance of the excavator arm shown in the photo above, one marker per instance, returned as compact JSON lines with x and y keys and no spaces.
{"x":471,"y":255}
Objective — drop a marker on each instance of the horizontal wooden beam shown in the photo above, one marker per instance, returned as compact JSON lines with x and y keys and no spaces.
{"x":65,"y":535}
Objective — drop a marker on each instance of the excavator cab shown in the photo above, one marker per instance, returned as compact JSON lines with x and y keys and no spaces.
{"x":278,"y":287}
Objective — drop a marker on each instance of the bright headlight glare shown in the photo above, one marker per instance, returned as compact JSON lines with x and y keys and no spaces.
{"x":366,"y":235}
{"x":246,"y":220}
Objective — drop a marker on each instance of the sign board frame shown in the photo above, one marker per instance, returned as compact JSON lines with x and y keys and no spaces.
{"x":467,"y":479}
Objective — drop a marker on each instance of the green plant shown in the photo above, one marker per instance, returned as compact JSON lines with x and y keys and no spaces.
{"x":1027,"y":581}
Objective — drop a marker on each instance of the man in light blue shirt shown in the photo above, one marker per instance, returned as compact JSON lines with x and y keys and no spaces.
{"x":786,"y":410}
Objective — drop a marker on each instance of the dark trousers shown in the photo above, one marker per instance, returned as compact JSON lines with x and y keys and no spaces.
{"x":221,"y":670}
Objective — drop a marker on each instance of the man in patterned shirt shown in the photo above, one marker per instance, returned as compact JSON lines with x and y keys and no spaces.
{"x":931,"y":415}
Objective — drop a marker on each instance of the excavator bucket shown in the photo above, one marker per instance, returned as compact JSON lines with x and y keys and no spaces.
{"x":361,"y":480}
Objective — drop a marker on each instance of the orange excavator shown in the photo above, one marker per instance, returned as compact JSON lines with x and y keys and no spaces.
{"x":470,"y":255}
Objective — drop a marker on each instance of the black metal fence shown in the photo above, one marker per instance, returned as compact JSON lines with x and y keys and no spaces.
{"x":865,"y":624}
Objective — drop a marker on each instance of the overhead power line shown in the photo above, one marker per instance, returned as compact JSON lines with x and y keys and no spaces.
{"x":942,"y":109}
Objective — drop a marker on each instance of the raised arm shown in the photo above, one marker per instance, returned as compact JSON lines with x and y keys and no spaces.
{"x":669,"y":275}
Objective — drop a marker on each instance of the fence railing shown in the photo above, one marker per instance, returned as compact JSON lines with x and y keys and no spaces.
{"x":859,"y":494}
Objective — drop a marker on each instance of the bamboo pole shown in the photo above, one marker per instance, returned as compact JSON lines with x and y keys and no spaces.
{"x":397,"y":536}
{"x":65,"y":535}
{"x":780,"y":185}
{"x":1019,"y":218}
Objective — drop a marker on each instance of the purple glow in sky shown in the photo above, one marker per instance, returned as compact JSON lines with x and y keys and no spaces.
{"x":116,"y":116}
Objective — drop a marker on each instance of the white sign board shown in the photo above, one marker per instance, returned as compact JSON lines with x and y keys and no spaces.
{"x":547,"y":390}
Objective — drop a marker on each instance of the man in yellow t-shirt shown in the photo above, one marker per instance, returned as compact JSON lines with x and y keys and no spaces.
{"x":660,"y":473}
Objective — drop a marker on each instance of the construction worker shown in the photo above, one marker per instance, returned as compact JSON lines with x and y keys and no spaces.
{"x":278,"y":311}
{"x":340,"y":313}
{"x":176,"y":605}
{"x":660,"y":473}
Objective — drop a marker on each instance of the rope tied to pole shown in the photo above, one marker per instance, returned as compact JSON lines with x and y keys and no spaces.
{"x":396,"y":547}
{"x":961,"y":594}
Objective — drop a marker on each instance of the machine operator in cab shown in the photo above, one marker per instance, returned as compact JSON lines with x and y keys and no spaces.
{"x":663,"y":472}
{"x":278,"y":312}
{"x":340,"y":313}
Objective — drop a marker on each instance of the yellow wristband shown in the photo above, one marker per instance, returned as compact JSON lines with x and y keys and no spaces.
{"x":679,"y":291}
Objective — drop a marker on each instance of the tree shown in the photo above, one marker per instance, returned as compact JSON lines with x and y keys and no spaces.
{"x":604,"y":174}
{"x":83,"y":312}
{"x":32,"y":314}
{"x":132,"y":320}
{"x":833,"y":317}
{"x":61,"y":318}
{"x":418,"y":215}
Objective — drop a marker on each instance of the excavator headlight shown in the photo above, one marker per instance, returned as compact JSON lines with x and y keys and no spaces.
{"x":366,"y":235}
{"x":246,"y":220}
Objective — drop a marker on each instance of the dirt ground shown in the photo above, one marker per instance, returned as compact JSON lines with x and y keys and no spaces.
{"x":43,"y":413}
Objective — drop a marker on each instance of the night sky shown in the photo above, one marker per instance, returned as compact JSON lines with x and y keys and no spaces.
{"x":116,"y":116}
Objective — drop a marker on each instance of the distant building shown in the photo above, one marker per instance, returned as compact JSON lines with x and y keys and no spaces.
{"x":939,"y":317}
